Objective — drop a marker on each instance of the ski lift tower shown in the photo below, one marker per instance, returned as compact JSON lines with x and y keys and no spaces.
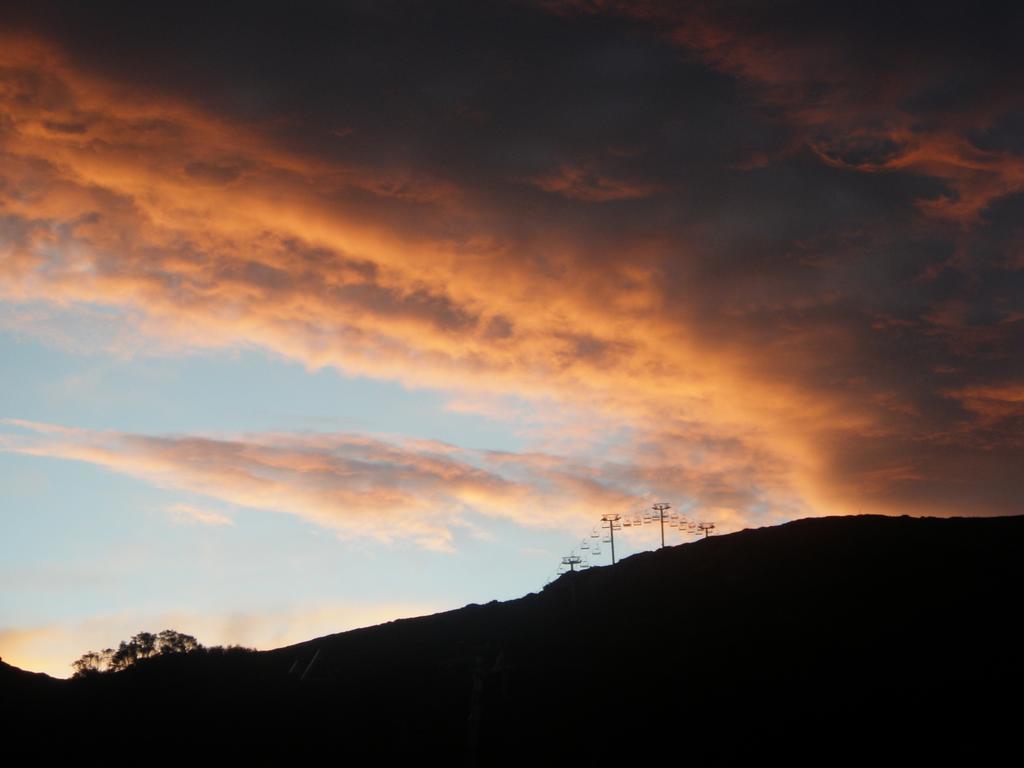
{"x":613,"y":525}
{"x":661,"y":507}
{"x":572,"y":561}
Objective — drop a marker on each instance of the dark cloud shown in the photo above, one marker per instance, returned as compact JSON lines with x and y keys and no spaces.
{"x":66,"y":127}
{"x":212,"y":172}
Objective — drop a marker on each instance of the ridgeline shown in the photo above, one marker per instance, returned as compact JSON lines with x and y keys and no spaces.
{"x":823,"y":639}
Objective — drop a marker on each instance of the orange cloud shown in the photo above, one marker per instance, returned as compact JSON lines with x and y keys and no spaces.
{"x":993,"y":402}
{"x":203,"y":233}
{"x":578,"y":182}
{"x":111,"y":215}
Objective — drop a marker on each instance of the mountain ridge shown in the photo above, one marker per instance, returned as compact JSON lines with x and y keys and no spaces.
{"x":862,"y":628}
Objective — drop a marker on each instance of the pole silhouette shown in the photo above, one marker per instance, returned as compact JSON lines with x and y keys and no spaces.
{"x":612,"y":521}
{"x":660,"y":508}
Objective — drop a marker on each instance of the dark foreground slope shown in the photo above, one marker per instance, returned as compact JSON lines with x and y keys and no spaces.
{"x":821,"y":639}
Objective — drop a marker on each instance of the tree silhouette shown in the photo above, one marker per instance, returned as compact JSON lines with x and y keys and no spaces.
{"x":90,"y":663}
{"x":147,"y":644}
{"x":170,"y":641}
{"x":143,"y":646}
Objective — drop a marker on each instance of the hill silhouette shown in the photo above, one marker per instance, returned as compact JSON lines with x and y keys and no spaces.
{"x":821,"y":639}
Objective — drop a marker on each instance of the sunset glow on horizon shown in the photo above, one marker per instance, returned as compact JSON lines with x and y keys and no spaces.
{"x":319,"y":319}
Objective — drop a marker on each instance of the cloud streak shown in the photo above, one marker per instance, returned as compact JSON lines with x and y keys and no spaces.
{"x":192,"y":514}
{"x":358,"y":486}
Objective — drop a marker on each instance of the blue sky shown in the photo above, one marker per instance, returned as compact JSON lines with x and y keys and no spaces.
{"x":86,"y":550}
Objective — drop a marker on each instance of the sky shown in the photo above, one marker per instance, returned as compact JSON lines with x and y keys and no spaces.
{"x":315,"y":317}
